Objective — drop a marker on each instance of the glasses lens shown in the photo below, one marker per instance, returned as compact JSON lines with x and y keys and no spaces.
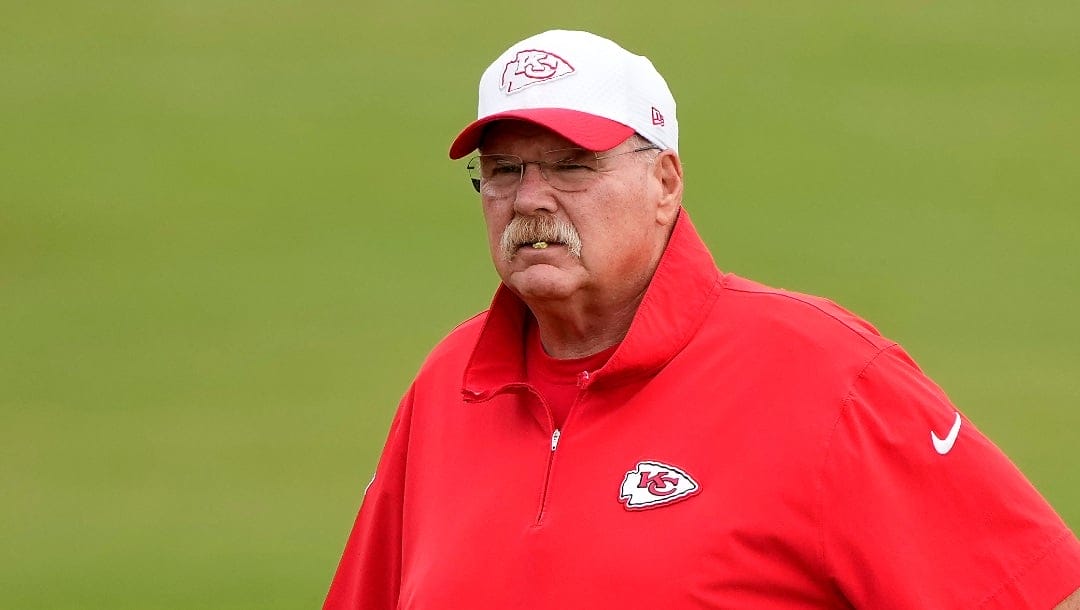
{"x":498,"y":174}
{"x":570,"y":169}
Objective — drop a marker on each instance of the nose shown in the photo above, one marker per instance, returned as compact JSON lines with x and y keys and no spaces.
{"x":534,"y":194}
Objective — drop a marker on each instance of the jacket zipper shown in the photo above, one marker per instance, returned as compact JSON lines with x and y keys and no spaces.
{"x":555,"y":436}
{"x":583,"y":382}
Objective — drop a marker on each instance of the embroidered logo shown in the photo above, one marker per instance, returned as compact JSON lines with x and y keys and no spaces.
{"x":652,"y":484}
{"x":532,"y":67}
{"x":657,"y":118}
{"x":945,"y":445}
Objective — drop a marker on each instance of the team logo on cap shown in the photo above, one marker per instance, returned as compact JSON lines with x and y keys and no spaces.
{"x":532,"y":67}
{"x":653,"y":484}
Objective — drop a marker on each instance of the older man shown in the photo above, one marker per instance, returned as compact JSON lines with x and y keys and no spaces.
{"x":628,"y":427}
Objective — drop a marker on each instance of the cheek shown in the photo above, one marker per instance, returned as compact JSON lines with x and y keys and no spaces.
{"x":621,"y":221}
{"x":616,"y":236}
{"x":496,"y":218}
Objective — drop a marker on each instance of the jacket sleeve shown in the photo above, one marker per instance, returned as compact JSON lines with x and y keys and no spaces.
{"x":369,"y":574}
{"x":920,"y":510}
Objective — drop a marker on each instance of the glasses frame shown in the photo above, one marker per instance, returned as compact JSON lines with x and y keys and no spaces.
{"x":473,"y":164}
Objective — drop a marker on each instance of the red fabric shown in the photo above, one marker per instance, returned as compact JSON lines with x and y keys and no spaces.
{"x":806,"y":431}
{"x":558,"y":381}
{"x":586,"y":130}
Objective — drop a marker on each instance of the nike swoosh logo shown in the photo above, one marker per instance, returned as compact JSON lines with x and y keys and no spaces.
{"x":945,"y":445}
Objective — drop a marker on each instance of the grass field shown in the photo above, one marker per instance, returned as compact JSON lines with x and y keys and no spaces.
{"x":229,"y":233}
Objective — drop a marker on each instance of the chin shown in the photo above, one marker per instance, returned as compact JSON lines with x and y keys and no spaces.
{"x":543,"y":283}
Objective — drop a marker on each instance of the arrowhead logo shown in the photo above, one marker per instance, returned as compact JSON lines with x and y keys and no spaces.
{"x":653,"y":484}
{"x":532,"y":67}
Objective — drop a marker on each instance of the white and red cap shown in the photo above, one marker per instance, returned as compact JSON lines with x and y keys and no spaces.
{"x":586,"y":88}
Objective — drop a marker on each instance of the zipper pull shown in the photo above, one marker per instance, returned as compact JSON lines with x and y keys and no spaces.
{"x":583,"y":379}
{"x":555,"y":440}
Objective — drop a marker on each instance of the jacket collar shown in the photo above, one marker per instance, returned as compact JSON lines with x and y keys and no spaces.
{"x":679,"y":295}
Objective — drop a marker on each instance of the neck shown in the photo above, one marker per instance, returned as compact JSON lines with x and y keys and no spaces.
{"x":576,"y":330}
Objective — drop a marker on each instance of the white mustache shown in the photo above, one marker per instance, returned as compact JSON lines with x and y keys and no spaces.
{"x":531,"y":229}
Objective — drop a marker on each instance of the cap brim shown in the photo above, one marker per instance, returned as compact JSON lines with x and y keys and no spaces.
{"x":583,"y":129}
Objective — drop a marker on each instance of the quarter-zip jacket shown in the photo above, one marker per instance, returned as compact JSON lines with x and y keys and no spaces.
{"x":744,"y":447}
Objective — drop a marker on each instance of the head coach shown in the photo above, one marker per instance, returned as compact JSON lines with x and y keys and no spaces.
{"x":629,"y":427}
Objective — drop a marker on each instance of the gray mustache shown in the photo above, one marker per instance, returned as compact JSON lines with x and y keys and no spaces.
{"x":531,"y":229}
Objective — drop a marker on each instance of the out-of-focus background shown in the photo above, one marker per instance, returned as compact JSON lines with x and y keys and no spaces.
{"x":229,"y":233}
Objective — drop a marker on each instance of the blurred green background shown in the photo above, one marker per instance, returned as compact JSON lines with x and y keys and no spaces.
{"x":229,"y":233}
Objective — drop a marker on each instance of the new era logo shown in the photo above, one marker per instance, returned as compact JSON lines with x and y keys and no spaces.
{"x":657,"y":118}
{"x":652,"y":484}
{"x":532,"y":67}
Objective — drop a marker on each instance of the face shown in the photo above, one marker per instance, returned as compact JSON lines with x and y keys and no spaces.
{"x":622,"y":220}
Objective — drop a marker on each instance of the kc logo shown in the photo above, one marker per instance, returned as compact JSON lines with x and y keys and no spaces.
{"x":532,"y":67}
{"x":658,"y":483}
{"x":652,"y":484}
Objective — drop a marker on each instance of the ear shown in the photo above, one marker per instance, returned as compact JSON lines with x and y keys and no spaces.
{"x":667,"y":171}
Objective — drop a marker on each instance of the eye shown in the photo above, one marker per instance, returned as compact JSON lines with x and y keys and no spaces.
{"x":506,"y":168}
{"x":502,"y":165}
{"x":571,"y":166}
{"x":571,"y":160}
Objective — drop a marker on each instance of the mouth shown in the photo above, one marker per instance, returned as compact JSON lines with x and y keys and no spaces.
{"x":538,"y":245}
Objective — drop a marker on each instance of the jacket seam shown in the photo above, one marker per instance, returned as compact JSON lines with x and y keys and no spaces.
{"x":1030,"y":563}
{"x":849,"y":327}
{"x":819,"y":503}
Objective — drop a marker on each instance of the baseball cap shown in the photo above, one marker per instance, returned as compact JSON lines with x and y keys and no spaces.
{"x":584,"y":87}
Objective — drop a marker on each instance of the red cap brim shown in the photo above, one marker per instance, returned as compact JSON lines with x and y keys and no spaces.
{"x":583,"y":129}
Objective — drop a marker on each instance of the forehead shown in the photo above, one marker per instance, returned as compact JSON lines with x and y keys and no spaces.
{"x":520,"y":137}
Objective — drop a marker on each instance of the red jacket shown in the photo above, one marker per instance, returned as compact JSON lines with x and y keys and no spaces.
{"x":744,"y":447}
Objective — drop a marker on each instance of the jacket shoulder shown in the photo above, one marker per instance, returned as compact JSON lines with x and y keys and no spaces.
{"x":799,"y":318}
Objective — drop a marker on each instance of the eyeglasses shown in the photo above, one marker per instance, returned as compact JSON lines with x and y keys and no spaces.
{"x":569,"y":169}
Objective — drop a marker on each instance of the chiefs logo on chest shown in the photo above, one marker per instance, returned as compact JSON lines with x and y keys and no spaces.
{"x":651,"y":484}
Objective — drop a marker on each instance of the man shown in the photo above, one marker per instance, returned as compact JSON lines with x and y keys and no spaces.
{"x":628,"y":427}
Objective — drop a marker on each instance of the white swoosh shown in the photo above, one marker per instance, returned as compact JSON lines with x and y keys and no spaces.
{"x":945,"y":445}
